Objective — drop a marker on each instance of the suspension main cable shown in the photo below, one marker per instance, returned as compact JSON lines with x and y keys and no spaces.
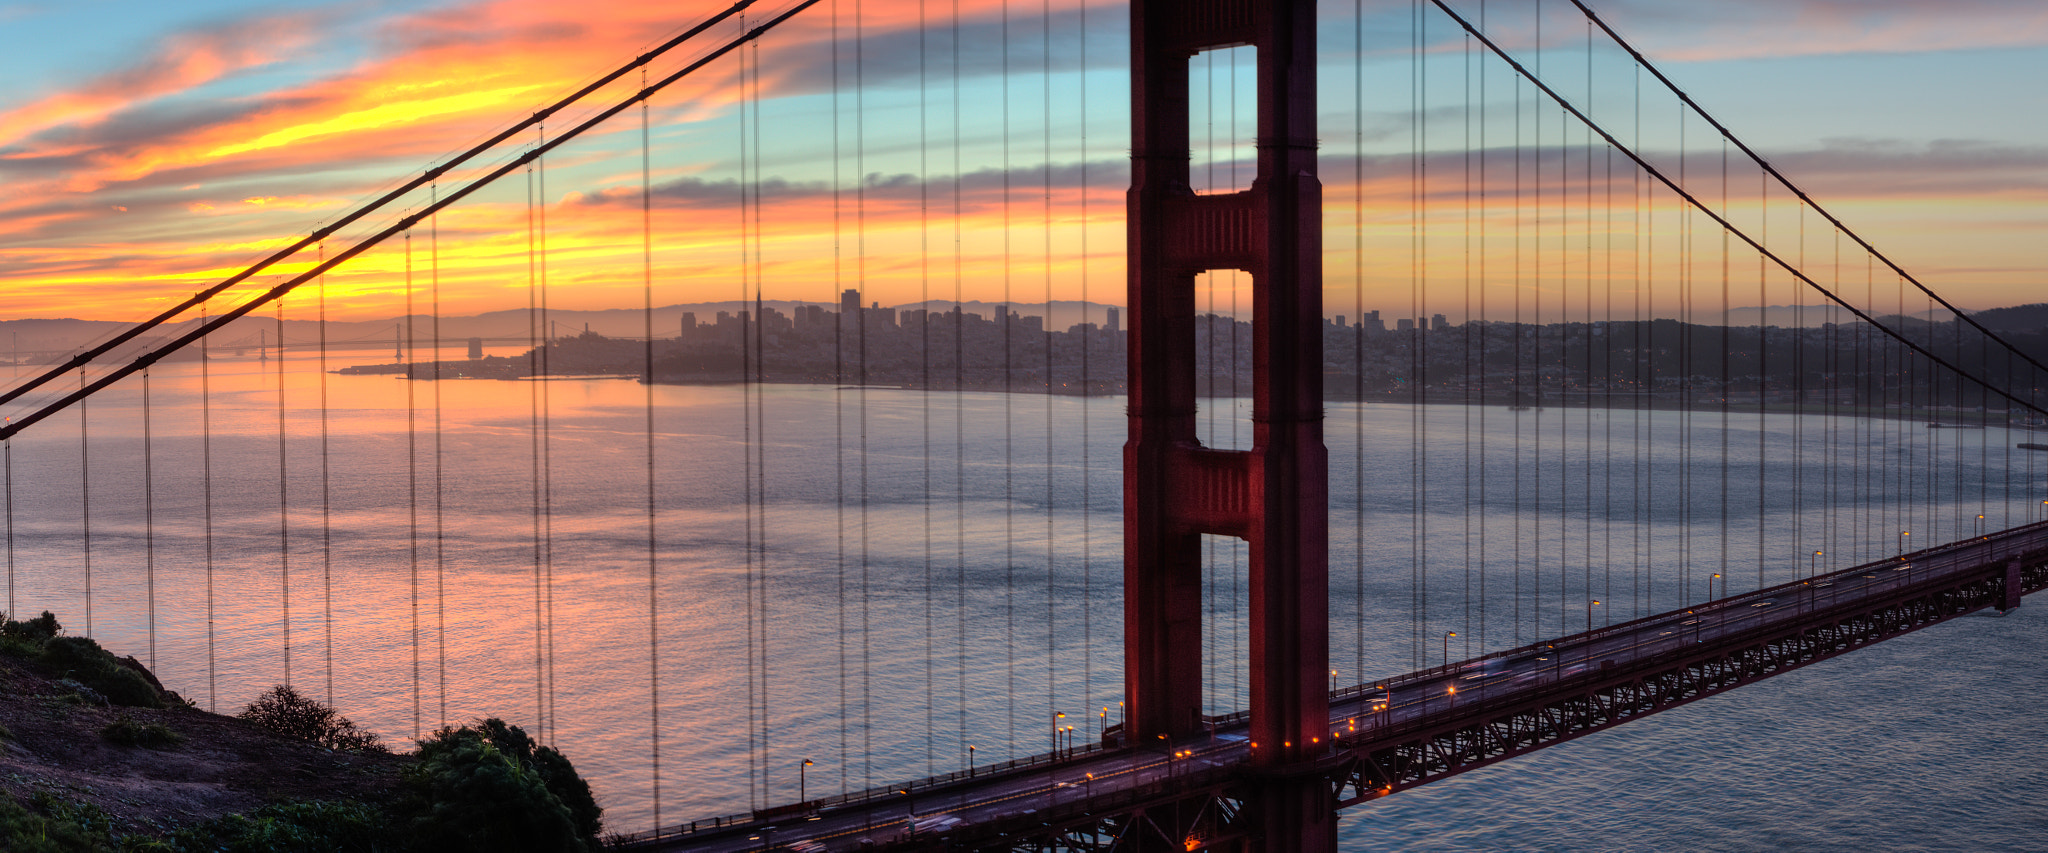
{"x":321,"y":234}
{"x":1730,"y":228}
{"x":1767,"y":167}
{"x":408,"y":222}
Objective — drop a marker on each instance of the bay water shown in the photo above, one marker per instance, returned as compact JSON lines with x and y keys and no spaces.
{"x":875,"y":580}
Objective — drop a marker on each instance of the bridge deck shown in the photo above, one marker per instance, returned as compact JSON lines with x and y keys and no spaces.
{"x":1412,"y":729}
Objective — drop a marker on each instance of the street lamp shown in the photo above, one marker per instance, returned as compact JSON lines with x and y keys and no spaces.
{"x":1447,"y":647}
{"x":1902,"y":541}
{"x":1980,"y":525}
{"x":1710,"y":586}
{"x":1057,"y":719}
{"x":1102,"y":727}
{"x":970,"y":760}
{"x":802,"y":794}
{"x":1811,"y":563}
{"x":1589,"y":616}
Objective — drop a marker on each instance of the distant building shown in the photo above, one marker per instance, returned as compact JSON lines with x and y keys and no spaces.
{"x":849,"y":302}
{"x":1404,"y":325}
{"x":1439,"y":323}
{"x":878,"y":317}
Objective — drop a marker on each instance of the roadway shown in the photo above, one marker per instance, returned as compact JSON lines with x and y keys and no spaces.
{"x":1420,"y":701}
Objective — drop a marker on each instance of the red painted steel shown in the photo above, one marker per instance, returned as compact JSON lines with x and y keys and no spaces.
{"x":1274,"y":495}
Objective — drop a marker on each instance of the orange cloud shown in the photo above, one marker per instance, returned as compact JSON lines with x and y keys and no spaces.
{"x":207,"y":192}
{"x":186,"y":60}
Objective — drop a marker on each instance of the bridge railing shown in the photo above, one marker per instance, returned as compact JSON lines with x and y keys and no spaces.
{"x":902,"y":792}
{"x":1578,"y":680}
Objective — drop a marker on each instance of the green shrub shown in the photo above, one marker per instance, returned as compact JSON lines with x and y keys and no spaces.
{"x":38,"y":629}
{"x":82,"y":659}
{"x":285,"y":712}
{"x":489,"y":787}
{"x":27,"y":832}
{"x":25,"y":639}
{"x":127,"y":732}
{"x":343,"y":826}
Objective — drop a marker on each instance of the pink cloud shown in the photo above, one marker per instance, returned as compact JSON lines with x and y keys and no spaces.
{"x":186,"y":60}
{"x":1748,"y":29}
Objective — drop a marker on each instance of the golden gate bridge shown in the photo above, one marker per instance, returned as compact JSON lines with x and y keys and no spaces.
{"x":1615,"y":500}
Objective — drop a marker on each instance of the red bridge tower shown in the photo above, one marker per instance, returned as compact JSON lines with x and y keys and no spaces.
{"x":1275,"y":495}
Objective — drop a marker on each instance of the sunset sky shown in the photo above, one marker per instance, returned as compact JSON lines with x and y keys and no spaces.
{"x":149,"y":149}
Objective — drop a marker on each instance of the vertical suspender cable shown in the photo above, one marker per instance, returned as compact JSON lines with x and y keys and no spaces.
{"x":1609,"y":374}
{"x":1206,"y":383}
{"x":547,"y":436}
{"x":7,"y":459}
{"x":206,"y":500}
{"x":1476,"y":333}
{"x":1358,"y":337}
{"x":1236,"y":545}
{"x":1465,"y":353}
{"x":860,"y":260}
{"x":1642,"y":257}
{"x":1087,"y":390}
{"x":1800,"y":396}
{"x":7,"y":452}
{"x":1417,"y":551}
{"x":924,"y":355}
{"x":440,"y":518}
{"x":1009,"y":448}
{"x":149,"y":517}
{"x":1538,"y":358}
{"x":85,"y":499}
{"x":1607,"y":423}
{"x":757,"y":658}
{"x":1727,"y":370}
{"x":1051,"y":588}
{"x":284,"y":541}
{"x":959,"y":405}
{"x":1763,"y":347}
{"x":1682,"y":236}
{"x":847,"y":316}
{"x":535,"y":375}
{"x":647,"y":396}
{"x":326,"y":492}
{"x":760,"y":445}
{"x":758,"y":775}
{"x":1518,"y":401}
{"x":412,"y":483}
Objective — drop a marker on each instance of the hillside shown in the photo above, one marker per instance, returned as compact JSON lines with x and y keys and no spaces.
{"x":54,"y":757}
{"x":95,"y":755}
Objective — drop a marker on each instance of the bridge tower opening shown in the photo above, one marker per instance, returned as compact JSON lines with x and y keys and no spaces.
{"x":1275,"y":494}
